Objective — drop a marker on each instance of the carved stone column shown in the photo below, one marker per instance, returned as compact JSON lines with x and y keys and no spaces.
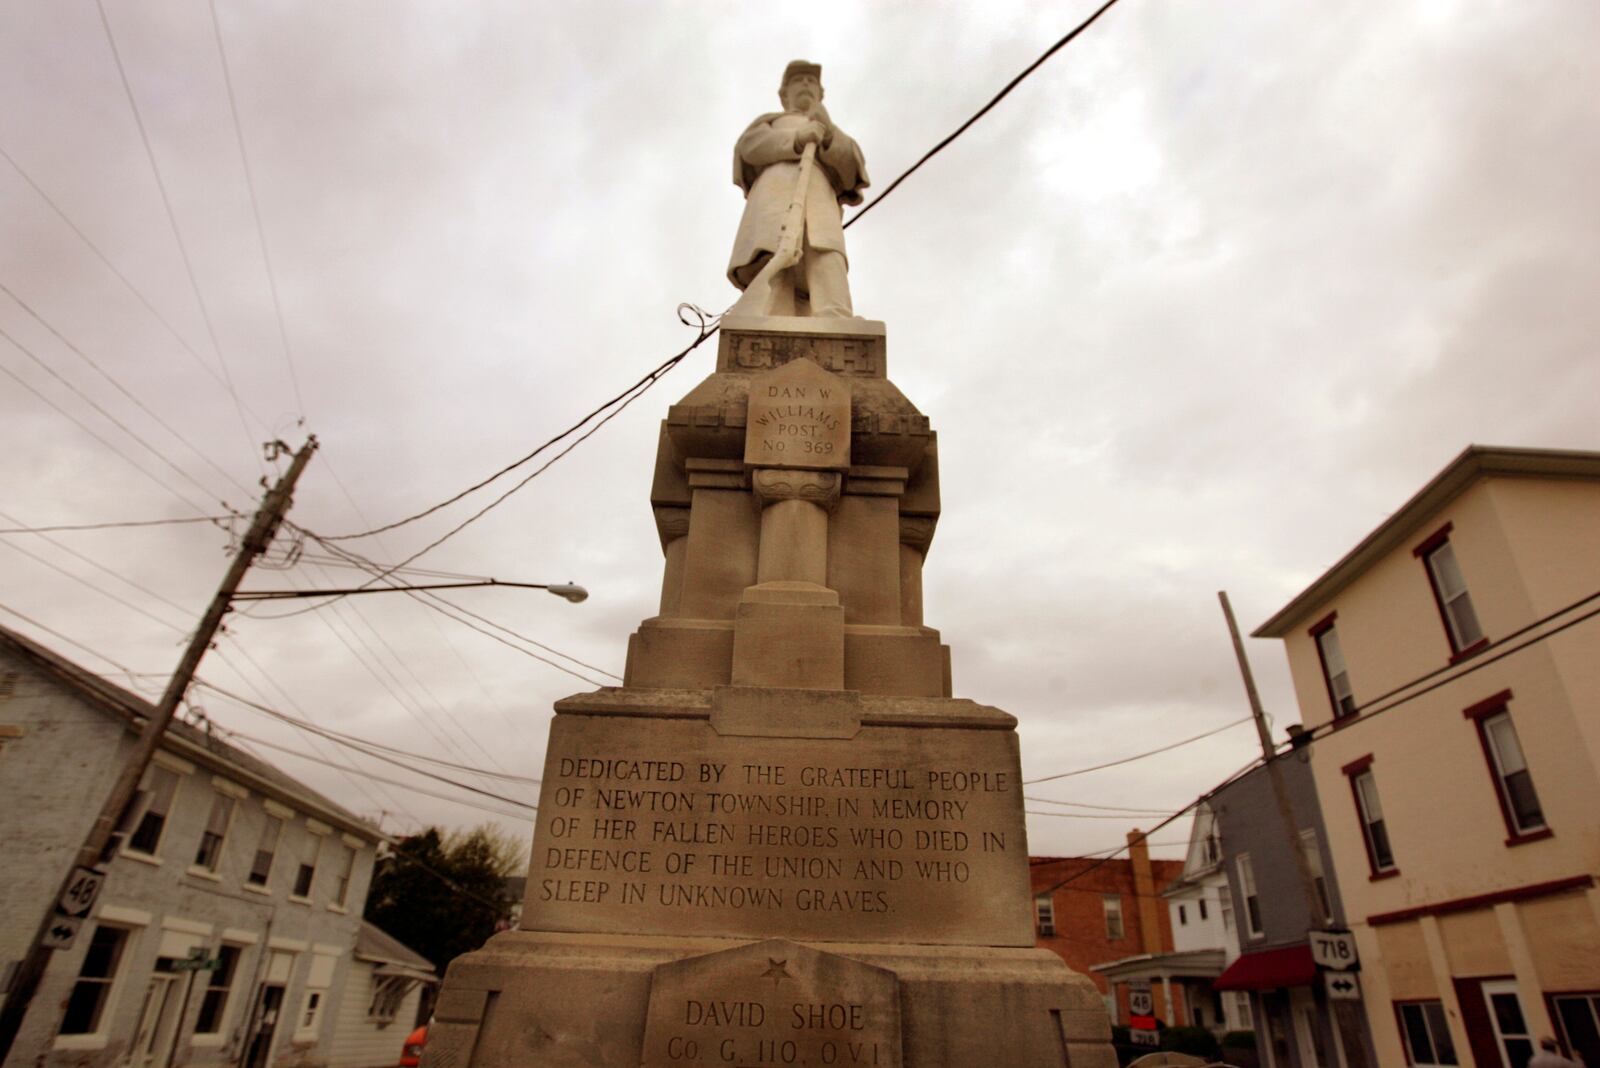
{"x":672,"y":524}
{"x":794,"y":523}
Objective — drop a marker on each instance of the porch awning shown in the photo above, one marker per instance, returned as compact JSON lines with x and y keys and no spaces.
{"x":1268,"y":969}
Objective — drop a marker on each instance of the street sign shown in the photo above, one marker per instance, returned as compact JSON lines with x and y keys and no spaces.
{"x":1143,"y":1038}
{"x":63,"y":931}
{"x":1335,"y":950}
{"x":1140,"y":1002}
{"x":77,"y":897}
{"x":197,"y":965}
{"x":1342,"y":987}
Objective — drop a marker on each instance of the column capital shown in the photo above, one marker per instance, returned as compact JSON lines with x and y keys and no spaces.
{"x":773,"y":484}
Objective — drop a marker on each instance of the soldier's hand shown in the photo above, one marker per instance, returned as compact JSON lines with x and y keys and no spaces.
{"x":812,"y":133}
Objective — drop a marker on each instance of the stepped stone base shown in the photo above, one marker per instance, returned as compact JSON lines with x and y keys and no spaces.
{"x":554,"y":1000}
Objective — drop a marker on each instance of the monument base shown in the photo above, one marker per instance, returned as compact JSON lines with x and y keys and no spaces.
{"x":532,"y":999}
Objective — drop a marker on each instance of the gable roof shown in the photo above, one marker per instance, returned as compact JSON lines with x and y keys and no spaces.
{"x":184,"y":740}
{"x":1474,"y":463}
{"x":375,"y":944}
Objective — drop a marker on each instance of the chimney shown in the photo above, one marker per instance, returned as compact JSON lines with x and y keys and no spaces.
{"x":1144,"y":887}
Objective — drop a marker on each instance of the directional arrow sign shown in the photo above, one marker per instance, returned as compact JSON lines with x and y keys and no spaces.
{"x":1342,"y":986}
{"x":63,"y":931}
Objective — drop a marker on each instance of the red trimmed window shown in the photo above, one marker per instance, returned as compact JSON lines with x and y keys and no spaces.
{"x":1334,"y":672}
{"x":1450,"y":592}
{"x":1519,"y":801}
{"x":1369,"y":810}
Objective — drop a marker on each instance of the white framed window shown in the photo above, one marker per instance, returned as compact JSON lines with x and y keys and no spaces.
{"x":1319,"y":879}
{"x":344,"y":869}
{"x":305,"y":876}
{"x":1241,"y":1005}
{"x":1112,"y":905}
{"x":1247,"y":890}
{"x":154,"y":802}
{"x":1578,"y":1017}
{"x":219,"y":988}
{"x":1201,"y":903}
{"x":87,"y":1011}
{"x":311,"y":1014}
{"x":209,"y":853}
{"x":1375,"y":831}
{"x":1044,"y":914}
{"x":261,"y":866}
{"x":1183,"y":916}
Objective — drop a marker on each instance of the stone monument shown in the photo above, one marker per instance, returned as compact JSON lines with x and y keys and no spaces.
{"x":781,"y":841}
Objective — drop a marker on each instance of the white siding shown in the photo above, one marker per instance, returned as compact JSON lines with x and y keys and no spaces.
{"x":359,"y":1042}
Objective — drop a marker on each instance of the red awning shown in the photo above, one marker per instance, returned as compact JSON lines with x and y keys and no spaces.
{"x":1269,"y":969}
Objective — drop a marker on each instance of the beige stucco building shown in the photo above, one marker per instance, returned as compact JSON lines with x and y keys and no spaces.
{"x":1449,"y":667}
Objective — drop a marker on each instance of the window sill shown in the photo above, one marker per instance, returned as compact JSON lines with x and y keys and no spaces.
{"x":255,"y":888}
{"x":206,"y":1041}
{"x":340,"y":909}
{"x":1531,"y":836}
{"x":298,"y":900}
{"x":204,"y":873}
{"x":143,"y":858}
{"x":1470,"y":651}
{"x":1379,"y":876}
{"x":80,"y":1042}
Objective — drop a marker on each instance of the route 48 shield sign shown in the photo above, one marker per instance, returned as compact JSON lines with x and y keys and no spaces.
{"x":80,"y":893}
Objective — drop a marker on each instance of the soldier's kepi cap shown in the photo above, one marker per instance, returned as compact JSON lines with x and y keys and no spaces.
{"x":800,"y":66}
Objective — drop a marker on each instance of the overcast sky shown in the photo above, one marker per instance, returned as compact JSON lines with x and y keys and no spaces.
{"x":1195,"y":308}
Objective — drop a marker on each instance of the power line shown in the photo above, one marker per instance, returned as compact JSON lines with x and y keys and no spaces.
{"x":650,"y":379}
{"x":121,"y":455}
{"x":1136,"y":756}
{"x":1123,"y":809}
{"x":42,"y":321}
{"x":98,"y":589}
{"x":172,"y":219}
{"x":410,"y":787}
{"x":255,"y":208}
{"x":123,"y":278}
{"x":103,"y":568}
{"x":623,"y":399}
{"x":981,"y":112}
{"x":60,"y":527}
{"x":122,"y":668}
{"x":342,"y":737}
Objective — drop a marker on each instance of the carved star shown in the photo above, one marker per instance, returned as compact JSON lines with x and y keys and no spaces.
{"x":776,"y":970}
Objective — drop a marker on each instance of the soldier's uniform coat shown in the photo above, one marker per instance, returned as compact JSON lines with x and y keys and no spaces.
{"x":765,"y":166}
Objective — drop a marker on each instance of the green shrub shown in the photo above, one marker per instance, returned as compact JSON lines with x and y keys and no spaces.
{"x":1239,"y":1040}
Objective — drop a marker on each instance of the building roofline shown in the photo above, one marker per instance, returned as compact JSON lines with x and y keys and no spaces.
{"x":1474,"y":463}
{"x":186,"y":741}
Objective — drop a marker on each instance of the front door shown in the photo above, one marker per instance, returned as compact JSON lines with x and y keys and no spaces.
{"x":1510,"y":1026}
{"x":158,"y":1024}
{"x":269,"y":1003}
{"x":1308,"y":1030}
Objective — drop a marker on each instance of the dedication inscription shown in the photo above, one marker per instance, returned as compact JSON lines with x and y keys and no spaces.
{"x":799,"y":416}
{"x":773,"y":1004}
{"x":674,"y":829}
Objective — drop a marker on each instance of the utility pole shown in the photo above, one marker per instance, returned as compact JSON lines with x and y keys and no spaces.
{"x":1280,"y":790}
{"x":1342,"y":1016}
{"x":25,"y":983}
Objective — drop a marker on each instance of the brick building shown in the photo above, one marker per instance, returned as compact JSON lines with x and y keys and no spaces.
{"x":1091,"y":911}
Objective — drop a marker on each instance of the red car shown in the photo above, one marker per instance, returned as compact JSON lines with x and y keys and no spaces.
{"x":411,"y":1052}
